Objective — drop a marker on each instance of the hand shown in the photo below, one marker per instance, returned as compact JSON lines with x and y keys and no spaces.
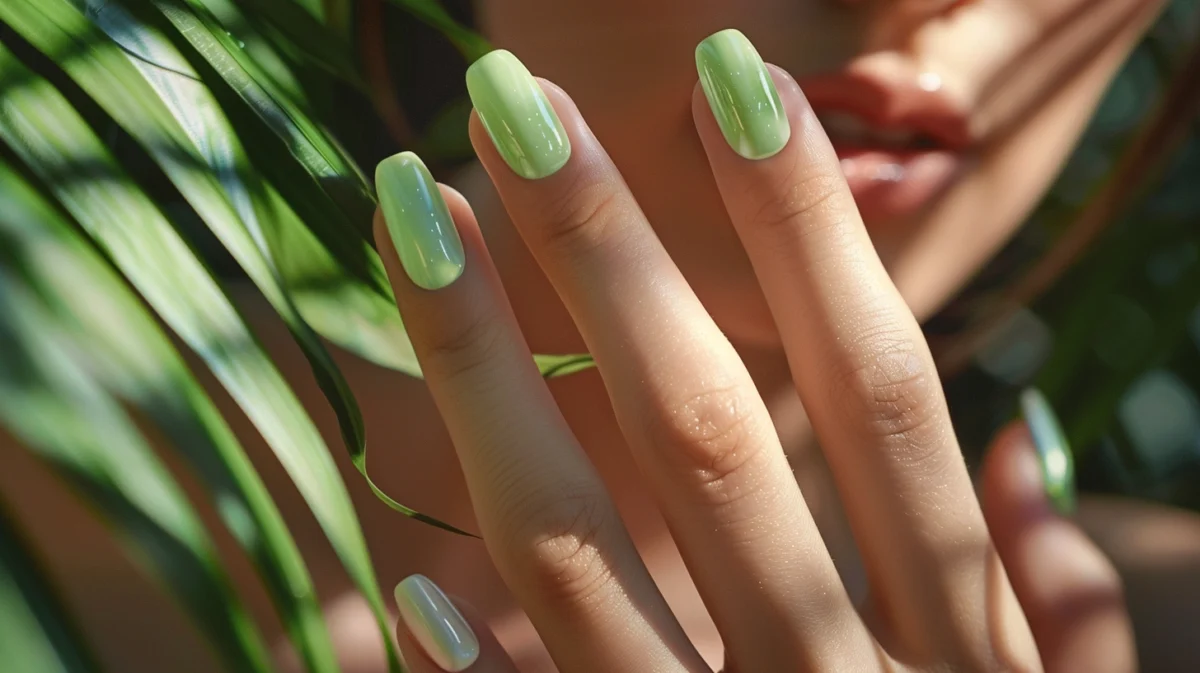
{"x":940,"y":596}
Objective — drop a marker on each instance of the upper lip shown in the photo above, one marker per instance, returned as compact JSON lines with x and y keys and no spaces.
{"x":895,"y":103}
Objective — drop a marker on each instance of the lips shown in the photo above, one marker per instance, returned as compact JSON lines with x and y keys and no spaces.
{"x":901,"y":139}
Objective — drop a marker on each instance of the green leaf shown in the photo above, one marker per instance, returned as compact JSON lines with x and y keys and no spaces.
{"x":334,"y":278}
{"x":36,"y":633}
{"x":130,"y":356}
{"x":60,"y":413}
{"x":254,"y":46}
{"x":553,"y":366}
{"x":55,"y":143}
{"x":472,"y":45}
{"x":325,"y":46}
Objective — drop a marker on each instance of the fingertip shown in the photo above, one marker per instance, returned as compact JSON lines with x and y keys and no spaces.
{"x":460,"y":208}
{"x":1011,"y":474}
{"x":1069,"y":591}
{"x":785,"y":84}
{"x":383,"y":241}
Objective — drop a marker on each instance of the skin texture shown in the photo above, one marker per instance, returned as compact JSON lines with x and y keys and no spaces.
{"x":1031,"y":72}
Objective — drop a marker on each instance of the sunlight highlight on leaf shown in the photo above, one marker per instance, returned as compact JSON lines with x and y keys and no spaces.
{"x":51,"y":138}
{"x":124,"y":349}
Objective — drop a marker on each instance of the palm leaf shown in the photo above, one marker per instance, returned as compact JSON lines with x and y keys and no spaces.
{"x":469,"y":43}
{"x":302,"y":30}
{"x":39,"y":124}
{"x":36,"y":634}
{"x":127,"y":353}
{"x":211,"y":91}
{"x":60,"y":413}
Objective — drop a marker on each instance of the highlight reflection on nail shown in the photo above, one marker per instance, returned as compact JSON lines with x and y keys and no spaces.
{"x":436,"y":624}
{"x":517,"y":115}
{"x":419,"y":222}
{"x":742,"y":95}
{"x":1053,"y":449}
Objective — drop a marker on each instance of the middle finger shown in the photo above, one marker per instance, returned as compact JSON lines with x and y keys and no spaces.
{"x":685,"y":402}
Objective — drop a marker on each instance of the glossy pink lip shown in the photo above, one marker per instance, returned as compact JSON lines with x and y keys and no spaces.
{"x":891,"y":182}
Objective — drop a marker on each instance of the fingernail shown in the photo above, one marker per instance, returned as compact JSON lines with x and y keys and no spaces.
{"x":436,"y":624}
{"x":742,"y":95}
{"x":517,"y":115}
{"x":420,"y":224}
{"x":1053,"y":450}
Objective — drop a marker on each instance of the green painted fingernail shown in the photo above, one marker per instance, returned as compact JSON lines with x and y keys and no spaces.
{"x":742,"y":95}
{"x":419,"y":222}
{"x":517,"y":115}
{"x":436,"y":624}
{"x":1054,"y":452}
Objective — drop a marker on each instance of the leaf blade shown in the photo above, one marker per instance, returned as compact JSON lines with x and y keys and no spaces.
{"x":60,"y":414}
{"x":128,"y":354}
{"x":50,"y":137}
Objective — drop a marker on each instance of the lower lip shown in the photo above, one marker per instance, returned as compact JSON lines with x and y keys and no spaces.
{"x":891,"y":184}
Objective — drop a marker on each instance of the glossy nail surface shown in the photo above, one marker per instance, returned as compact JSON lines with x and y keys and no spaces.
{"x":420,"y":224}
{"x":517,"y":115}
{"x":742,"y":95}
{"x":436,"y":624}
{"x":1054,"y":452}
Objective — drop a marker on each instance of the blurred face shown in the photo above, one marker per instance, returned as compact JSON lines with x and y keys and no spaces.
{"x":951,"y":117}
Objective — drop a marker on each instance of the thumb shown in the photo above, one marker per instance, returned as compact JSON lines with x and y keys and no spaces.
{"x":1069,"y":591}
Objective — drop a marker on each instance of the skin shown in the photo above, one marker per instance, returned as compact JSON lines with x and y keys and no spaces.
{"x":1030,"y":88}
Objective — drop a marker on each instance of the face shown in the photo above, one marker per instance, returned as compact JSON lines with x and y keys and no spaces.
{"x":951,"y":117}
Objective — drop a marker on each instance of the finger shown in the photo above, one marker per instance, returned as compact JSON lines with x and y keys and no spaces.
{"x":436,"y":635}
{"x":547,"y":520}
{"x":857,"y":355}
{"x":684,"y":401}
{"x":1070,"y":592}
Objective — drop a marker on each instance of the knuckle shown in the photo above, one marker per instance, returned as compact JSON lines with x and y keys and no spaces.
{"x":583,"y":218}
{"x":561,"y":544}
{"x":800,"y":204}
{"x":464,"y":348}
{"x":710,"y":435}
{"x":892,"y":384}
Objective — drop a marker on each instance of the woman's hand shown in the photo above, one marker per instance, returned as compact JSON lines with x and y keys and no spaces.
{"x":940,"y":598}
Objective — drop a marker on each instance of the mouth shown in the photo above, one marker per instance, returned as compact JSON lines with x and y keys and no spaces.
{"x":901,"y":140}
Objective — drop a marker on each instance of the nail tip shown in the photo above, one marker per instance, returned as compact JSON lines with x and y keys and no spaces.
{"x":742,"y":95}
{"x":436,"y":624}
{"x":490,"y":60}
{"x":398,"y":160}
{"x":516,"y":113}
{"x":732,"y":33}
{"x":1052,"y":448}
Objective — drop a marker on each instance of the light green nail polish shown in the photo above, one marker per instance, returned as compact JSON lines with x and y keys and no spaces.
{"x":742,"y":95}
{"x":1054,"y":452}
{"x":419,"y":222}
{"x":436,"y":624}
{"x":517,"y":115}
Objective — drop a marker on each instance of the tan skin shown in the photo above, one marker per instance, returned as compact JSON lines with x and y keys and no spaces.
{"x":1028,"y":91}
